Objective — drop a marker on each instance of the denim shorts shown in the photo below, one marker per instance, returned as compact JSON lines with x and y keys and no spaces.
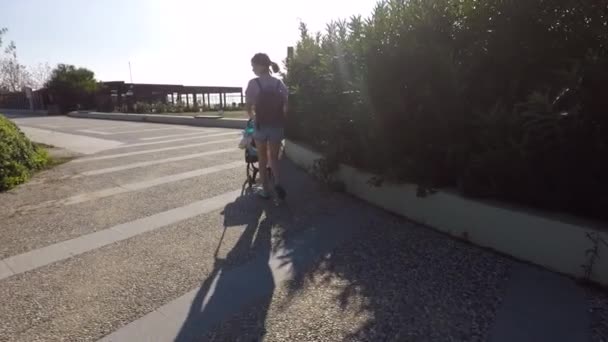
{"x":269,"y":134}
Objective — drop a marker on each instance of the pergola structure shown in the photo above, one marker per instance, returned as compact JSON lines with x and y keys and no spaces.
{"x":124,"y":93}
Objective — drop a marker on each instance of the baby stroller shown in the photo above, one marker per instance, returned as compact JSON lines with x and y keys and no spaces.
{"x":251,"y":155}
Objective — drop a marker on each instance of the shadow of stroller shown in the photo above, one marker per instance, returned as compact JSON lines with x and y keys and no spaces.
{"x":229,"y":287}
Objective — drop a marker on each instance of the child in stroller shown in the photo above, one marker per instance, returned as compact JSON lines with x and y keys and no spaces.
{"x":251,"y":155}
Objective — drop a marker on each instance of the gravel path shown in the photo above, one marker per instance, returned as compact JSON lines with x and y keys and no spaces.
{"x":394,"y":282}
{"x":598,"y":307}
{"x":380,"y":277}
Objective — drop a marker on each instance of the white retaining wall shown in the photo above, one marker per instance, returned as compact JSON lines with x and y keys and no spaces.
{"x":166,"y":119}
{"x":540,"y":239}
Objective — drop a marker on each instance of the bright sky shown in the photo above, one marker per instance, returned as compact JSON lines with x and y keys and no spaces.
{"x":191,"y":42}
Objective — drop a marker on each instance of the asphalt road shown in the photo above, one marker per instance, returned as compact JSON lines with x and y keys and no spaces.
{"x":147,"y":236}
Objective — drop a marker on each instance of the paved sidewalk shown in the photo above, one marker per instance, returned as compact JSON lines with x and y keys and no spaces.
{"x":152,"y":239}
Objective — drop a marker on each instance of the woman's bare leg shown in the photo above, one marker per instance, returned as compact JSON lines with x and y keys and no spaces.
{"x":262,"y":148}
{"x":273,"y":151}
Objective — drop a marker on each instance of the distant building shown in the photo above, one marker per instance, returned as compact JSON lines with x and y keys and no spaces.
{"x":118,"y":94}
{"x":121,"y":96}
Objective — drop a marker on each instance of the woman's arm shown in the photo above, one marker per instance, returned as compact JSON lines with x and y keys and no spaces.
{"x":250,"y":95}
{"x":249,"y":109}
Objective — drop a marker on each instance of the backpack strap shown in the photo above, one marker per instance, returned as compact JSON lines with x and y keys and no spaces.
{"x":257,"y":80}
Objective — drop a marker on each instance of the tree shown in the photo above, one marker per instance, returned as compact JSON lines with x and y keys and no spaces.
{"x":13,"y":75}
{"x":40,"y":74}
{"x":3,"y":31}
{"x":72,"y":88}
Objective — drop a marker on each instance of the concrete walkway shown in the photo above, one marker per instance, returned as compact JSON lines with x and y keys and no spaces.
{"x":150,"y":237}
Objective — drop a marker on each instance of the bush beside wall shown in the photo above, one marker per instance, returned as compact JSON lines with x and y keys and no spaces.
{"x":501,"y":99}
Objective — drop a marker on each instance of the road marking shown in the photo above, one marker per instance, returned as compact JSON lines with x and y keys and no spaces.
{"x":84,"y":125}
{"x":93,"y":131}
{"x":137,"y":130}
{"x":77,"y":143}
{"x":130,"y":187}
{"x":176,"y":140}
{"x":177,"y":135}
{"x":555,"y":303}
{"x":103,"y":127}
{"x":66,"y":249}
{"x":5,"y":271}
{"x":128,"y":154}
{"x":246,"y":283}
{"x":152,"y":162}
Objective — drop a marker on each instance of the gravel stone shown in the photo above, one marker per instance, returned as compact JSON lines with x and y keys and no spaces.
{"x":395,"y":281}
{"x":598,"y":309}
{"x":392,"y":280}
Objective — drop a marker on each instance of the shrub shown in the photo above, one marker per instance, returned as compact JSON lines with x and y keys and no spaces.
{"x":143,"y":108}
{"x":503,"y":99}
{"x":160,"y":107}
{"x":19,"y":158}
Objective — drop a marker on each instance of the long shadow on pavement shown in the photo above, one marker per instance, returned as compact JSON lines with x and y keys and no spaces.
{"x":225,"y":291}
{"x":245,"y":275}
{"x":408,"y":282}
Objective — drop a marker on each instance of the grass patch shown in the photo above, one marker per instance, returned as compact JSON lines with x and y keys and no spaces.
{"x":54,"y":159}
{"x":44,"y":146}
{"x":58,"y":160}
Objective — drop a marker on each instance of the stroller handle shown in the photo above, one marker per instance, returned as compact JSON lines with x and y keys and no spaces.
{"x":251,"y":126}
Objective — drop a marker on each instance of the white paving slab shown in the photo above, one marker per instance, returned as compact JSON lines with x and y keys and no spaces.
{"x":172,"y":148}
{"x":152,"y":162}
{"x":5,"y":271}
{"x":165,"y":323}
{"x":137,"y":130}
{"x":149,"y":183}
{"x":131,"y":187}
{"x":85,"y":125}
{"x":66,"y":249}
{"x":177,"y":135}
{"x":541,"y":306}
{"x":76,"y":143}
{"x":199,"y":136}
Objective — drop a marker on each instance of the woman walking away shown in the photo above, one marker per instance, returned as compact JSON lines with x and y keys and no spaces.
{"x":266,"y":103}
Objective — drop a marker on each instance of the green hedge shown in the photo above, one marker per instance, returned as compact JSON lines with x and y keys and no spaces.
{"x":502,"y":99}
{"x":19,"y":158}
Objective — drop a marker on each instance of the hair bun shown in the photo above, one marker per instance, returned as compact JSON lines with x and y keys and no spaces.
{"x":275,"y":67}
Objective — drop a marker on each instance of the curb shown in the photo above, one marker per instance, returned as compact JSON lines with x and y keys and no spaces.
{"x":560,"y":245}
{"x":166,"y":119}
{"x":23,"y":112}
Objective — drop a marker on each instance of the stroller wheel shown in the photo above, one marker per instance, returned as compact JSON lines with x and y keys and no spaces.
{"x":252,"y":173}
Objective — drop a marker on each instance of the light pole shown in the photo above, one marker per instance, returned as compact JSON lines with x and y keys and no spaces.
{"x":130,"y":72}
